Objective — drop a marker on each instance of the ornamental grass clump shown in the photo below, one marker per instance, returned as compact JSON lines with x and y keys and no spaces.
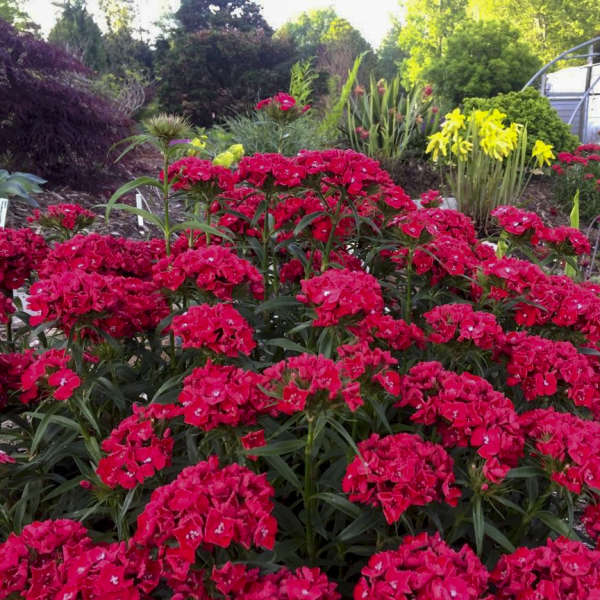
{"x":487,"y":161}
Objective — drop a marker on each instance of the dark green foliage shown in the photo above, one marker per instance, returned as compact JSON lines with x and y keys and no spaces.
{"x":244,"y":15}
{"x":212,"y":74}
{"x":79,"y":35}
{"x":126,"y":54}
{"x":51,"y":122}
{"x":530,"y":108}
{"x":308,"y":30}
{"x":389,"y":55}
{"x":482,"y":59}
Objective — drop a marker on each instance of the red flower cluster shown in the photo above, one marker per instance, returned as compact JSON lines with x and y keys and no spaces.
{"x":560,"y":570}
{"x":398,"y":471}
{"x":424,"y":568}
{"x":431,"y":199}
{"x":63,"y":216}
{"x":550,"y":299}
{"x":206,"y":506}
{"x":479,"y":327}
{"x":466,"y":411}
{"x":7,"y":308}
{"x":12,"y":367}
{"x":35,"y":562}
{"x":215,"y":395}
{"x":299,"y":378}
{"x":390,"y":332}
{"x":269,"y":170}
{"x":527,"y":225}
{"x":539,"y":366}
{"x":138,"y":447}
{"x":196,"y":174}
{"x":48,"y":370}
{"x":281,"y":101}
{"x":294,"y":270}
{"x":21,"y":252}
{"x":340,"y":293}
{"x":212,"y":269}
{"x":119,"y":306}
{"x":591,"y":521}
{"x":571,"y":444}
{"x":362,"y":364}
{"x":423,"y":225}
{"x":583,"y":163}
{"x":103,"y":254}
{"x":236,"y":582}
{"x":219,"y":328}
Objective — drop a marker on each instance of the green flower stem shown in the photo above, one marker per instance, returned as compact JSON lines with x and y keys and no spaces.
{"x":166,"y":224}
{"x":265,"y":240}
{"x":408,"y":300}
{"x":334,"y":223}
{"x":309,"y":489}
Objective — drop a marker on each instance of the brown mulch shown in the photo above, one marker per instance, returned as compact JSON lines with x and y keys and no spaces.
{"x":143,"y":161}
{"x":539,"y":198}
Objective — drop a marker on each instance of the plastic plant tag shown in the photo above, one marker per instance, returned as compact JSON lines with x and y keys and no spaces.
{"x":3,"y":211}
{"x":138,"y":203}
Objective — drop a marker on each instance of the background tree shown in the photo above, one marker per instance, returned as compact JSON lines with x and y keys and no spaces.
{"x":308,"y":31}
{"x":428,"y":25}
{"x":243,"y":15}
{"x":553,"y":26}
{"x":78,"y":34}
{"x":13,"y":12}
{"x":341,"y":44}
{"x":390,"y":55}
{"x":482,"y":59}
{"x":211,"y":74}
{"x":52,"y":123}
{"x":119,"y":14}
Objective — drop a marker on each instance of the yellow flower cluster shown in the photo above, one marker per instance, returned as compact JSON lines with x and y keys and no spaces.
{"x":197,"y":144}
{"x":233,"y":154}
{"x":486,"y":130}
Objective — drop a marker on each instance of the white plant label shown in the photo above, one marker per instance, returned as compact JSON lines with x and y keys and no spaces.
{"x":138,"y":202}
{"x":3,"y":211}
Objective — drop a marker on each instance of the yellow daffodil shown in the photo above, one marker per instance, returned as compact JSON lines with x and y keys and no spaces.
{"x":497,"y":117}
{"x":438,"y":142}
{"x":225,"y":159}
{"x":542,"y":153}
{"x":455,"y":121}
{"x":461,"y":147}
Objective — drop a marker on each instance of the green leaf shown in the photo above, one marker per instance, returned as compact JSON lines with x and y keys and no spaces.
{"x":524,"y":473}
{"x":140,"y":212}
{"x":199,"y":226}
{"x":306,"y":220}
{"x":284,"y":470}
{"x":345,"y":435}
{"x":340,"y":502}
{"x":478,"y":524}
{"x":277,"y":448}
{"x":277,"y":302}
{"x":556,"y":524}
{"x":495,"y":534}
{"x":366,"y":521}
{"x":286,"y":345}
{"x":128,"y":187}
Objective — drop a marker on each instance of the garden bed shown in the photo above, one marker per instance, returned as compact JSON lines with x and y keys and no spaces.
{"x":304,"y":386}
